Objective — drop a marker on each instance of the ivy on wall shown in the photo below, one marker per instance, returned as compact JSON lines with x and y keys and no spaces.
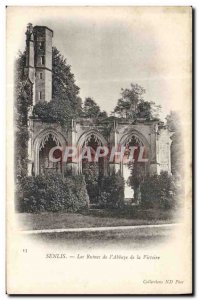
{"x":23,"y":102}
{"x":65,"y":103}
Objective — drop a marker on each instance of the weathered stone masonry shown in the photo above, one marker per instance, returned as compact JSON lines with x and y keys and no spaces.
{"x":153,"y":135}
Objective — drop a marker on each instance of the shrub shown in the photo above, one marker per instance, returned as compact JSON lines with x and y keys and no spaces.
{"x":112,"y":191}
{"x":159,"y":191}
{"x":53,"y":193}
{"x":77,"y":187}
{"x":91,"y":173}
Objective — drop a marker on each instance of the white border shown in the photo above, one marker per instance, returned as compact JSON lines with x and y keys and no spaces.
{"x":3,"y":94}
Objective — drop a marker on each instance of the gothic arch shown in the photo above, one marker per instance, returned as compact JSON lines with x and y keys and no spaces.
{"x":87,"y":134}
{"x":85,"y":138}
{"x":137,"y":135}
{"x":140,"y":139}
{"x":40,"y":141}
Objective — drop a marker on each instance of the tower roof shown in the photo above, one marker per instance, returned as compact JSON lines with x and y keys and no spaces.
{"x":37,"y":26}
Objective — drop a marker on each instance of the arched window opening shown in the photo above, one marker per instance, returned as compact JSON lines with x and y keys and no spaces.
{"x":135,"y":170}
{"x":93,"y":170}
{"x":46,"y":165}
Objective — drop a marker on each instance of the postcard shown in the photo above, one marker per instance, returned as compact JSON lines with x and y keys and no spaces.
{"x":99,"y":150}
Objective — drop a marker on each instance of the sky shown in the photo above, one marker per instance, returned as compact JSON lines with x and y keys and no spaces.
{"x":109,"y":48}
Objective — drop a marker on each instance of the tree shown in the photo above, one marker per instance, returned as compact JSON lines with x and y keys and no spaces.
{"x":91,"y":173}
{"x":127,"y":104}
{"x":173,"y":121}
{"x":132,"y":105}
{"x":112,"y":191}
{"x":144,"y":110}
{"x":53,"y":111}
{"x":174,"y":125}
{"x":92,"y":110}
{"x":103,"y":115}
{"x":65,"y":103}
{"x":159,"y":191}
{"x":63,"y":84}
{"x":136,"y":178}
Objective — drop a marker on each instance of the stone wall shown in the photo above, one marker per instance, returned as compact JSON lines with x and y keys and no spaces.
{"x":156,"y":140}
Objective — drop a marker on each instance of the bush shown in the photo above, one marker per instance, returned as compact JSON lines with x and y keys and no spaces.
{"x":91,"y":173}
{"x":103,"y":191}
{"x":53,"y":193}
{"x":112,"y":191}
{"x":159,"y":191}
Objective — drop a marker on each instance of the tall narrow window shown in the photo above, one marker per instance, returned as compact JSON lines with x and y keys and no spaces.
{"x":40,"y":95}
{"x":41,"y":75}
{"x":42,"y":60}
{"x":41,"y":45}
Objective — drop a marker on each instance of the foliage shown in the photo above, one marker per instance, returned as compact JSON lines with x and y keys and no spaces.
{"x":174,"y":125}
{"x":132,"y":105}
{"x":144,"y":110}
{"x":23,"y":91}
{"x":173,"y":121}
{"x":106,"y":191}
{"x":159,"y":191}
{"x":137,"y":176}
{"x":112,"y":191}
{"x":53,"y":193}
{"x":52,"y":112}
{"x":65,"y":103}
{"x":23,"y":102}
{"x":91,"y":173}
{"x":92,"y":110}
{"x":63,"y":84}
{"x":129,"y":100}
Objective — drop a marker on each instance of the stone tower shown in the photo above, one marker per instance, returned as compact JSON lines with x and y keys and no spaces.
{"x":151,"y":135}
{"x":39,"y":61}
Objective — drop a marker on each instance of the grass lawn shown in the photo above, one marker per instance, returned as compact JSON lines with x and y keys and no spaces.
{"x":95,"y":218}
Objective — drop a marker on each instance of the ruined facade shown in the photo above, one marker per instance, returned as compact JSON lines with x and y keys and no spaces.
{"x":153,"y":135}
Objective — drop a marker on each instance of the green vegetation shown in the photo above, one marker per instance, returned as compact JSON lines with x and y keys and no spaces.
{"x":132,"y":105}
{"x":96,"y":218}
{"x":92,"y":110}
{"x":177,"y":147}
{"x":159,"y":191}
{"x":23,"y":102}
{"x":104,"y":191}
{"x":65,"y":104}
{"x":53,"y":193}
{"x":112,"y":191}
{"x":71,"y":194}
